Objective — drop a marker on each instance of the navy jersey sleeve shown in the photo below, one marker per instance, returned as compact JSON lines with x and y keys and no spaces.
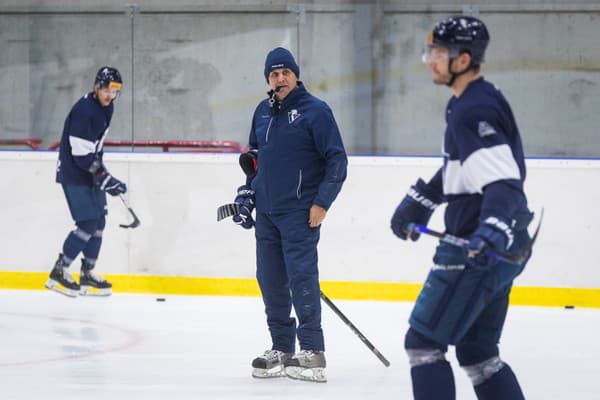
{"x":484,"y":155}
{"x":83,"y":146}
{"x":328,"y":142}
{"x":436,"y":184}
{"x":487,"y":162}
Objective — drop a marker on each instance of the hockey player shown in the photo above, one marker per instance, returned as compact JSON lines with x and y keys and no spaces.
{"x":85,"y":182}
{"x":464,"y":300}
{"x":301,"y":166}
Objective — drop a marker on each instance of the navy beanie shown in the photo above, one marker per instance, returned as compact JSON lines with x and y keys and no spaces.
{"x":280,"y":58}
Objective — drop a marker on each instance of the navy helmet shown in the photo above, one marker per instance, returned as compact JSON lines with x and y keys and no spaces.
{"x":108,"y":77}
{"x":461,"y":33}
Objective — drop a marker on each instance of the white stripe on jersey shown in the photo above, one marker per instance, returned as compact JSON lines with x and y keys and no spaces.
{"x":482,"y":167}
{"x":81,"y":147}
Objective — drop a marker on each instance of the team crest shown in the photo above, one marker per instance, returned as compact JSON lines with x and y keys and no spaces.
{"x":485,"y":129}
{"x":293,"y":115}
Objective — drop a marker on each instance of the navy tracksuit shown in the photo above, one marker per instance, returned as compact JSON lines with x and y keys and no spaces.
{"x":301,"y":162}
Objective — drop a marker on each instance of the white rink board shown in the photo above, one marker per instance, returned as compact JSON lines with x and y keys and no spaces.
{"x":176,"y":197}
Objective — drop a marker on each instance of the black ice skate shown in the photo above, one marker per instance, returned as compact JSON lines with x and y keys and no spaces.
{"x":270,"y":364}
{"x":92,"y":284}
{"x":61,"y":280}
{"x":306,"y":365}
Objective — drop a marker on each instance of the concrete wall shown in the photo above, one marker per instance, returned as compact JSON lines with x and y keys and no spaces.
{"x":193,"y":69}
{"x":176,"y":197}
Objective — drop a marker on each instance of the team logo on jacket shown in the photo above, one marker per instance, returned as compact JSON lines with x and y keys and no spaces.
{"x":293,"y":115}
{"x":485,"y":129}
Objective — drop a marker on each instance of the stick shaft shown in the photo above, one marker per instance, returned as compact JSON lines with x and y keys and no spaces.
{"x":354,"y":329}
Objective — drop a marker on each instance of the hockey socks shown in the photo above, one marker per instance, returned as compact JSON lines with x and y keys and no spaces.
{"x":503,"y":385}
{"x":433,"y":381}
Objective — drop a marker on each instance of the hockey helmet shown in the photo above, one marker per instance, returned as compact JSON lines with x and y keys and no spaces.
{"x":461,"y":33}
{"x":108,"y":77}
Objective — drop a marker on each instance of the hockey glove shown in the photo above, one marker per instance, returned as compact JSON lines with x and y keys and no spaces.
{"x":492,"y":234}
{"x":245,"y":199}
{"x":416,"y":207}
{"x":110,"y":184}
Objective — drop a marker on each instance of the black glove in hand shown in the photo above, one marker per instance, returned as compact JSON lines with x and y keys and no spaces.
{"x":416,"y":207}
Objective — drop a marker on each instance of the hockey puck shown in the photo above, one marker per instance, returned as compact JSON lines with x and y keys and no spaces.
{"x":569,"y":307}
{"x":160,"y":299}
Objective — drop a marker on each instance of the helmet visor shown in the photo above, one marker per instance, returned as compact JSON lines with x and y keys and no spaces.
{"x":107,"y":91}
{"x":434,"y":54}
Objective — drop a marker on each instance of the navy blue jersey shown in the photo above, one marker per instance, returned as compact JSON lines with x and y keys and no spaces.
{"x":81,"y":143}
{"x":484,"y":166}
{"x":301,"y":157}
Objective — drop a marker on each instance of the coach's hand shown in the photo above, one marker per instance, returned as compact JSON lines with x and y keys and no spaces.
{"x":316,"y":216}
{"x":245,"y":199}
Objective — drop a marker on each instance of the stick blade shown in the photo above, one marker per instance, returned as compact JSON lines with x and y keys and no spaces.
{"x":227,"y":210}
{"x":136,"y":221}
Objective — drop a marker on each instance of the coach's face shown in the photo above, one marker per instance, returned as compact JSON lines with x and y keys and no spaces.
{"x":285,"y":79}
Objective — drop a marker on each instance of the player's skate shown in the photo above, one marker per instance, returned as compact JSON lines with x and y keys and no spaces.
{"x":270,"y":364}
{"x":61,"y":280}
{"x":307,"y":365}
{"x":92,"y":284}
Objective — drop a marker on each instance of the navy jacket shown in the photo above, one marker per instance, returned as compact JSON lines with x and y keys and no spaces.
{"x":81,"y":143}
{"x":484,"y":165}
{"x":301,"y":157}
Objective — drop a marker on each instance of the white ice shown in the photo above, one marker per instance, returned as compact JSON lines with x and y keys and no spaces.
{"x":194,"y":347}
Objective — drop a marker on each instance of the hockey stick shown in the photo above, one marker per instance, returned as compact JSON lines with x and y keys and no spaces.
{"x":355,"y":330}
{"x":136,"y":221}
{"x":517,"y":257}
{"x":227,"y":210}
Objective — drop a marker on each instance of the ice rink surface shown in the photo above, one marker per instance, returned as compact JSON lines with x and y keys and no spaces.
{"x":195,"y":347}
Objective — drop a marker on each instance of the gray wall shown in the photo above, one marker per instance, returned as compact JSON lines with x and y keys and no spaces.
{"x":193,"y":70}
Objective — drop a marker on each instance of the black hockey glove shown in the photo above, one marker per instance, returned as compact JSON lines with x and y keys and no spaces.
{"x":109,"y":184}
{"x":493,"y":234}
{"x":249,"y":162}
{"x":416,"y":207}
{"x":245,"y":199}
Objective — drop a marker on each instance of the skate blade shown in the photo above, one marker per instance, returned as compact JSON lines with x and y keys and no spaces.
{"x":51,"y":284}
{"x":94,"y":292}
{"x":275,"y":372}
{"x":306,"y":374}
